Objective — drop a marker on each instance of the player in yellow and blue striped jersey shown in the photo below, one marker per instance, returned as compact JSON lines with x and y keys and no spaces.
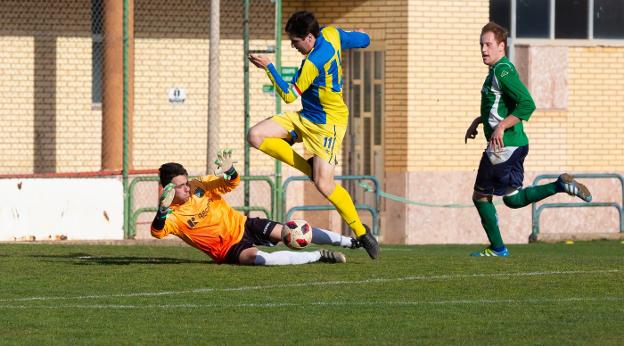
{"x":322,"y":122}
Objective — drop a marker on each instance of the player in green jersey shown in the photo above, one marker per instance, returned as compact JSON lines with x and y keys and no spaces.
{"x":505,"y":104}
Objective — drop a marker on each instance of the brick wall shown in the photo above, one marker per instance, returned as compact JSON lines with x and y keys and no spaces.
{"x":45,"y":63}
{"x":433,"y":76}
{"x":444,"y":83}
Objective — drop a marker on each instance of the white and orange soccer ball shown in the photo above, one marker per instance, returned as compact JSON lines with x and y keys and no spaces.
{"x":297,"y":234}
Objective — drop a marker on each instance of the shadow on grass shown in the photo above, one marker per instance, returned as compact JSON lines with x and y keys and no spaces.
{"x":87,"y":259}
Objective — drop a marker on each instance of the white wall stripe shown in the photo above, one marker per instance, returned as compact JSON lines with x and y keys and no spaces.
{"x":316,"y":283}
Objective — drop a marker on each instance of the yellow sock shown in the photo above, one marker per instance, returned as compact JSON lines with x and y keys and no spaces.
{"x":341,"y":199}
{"x":279,"y":149}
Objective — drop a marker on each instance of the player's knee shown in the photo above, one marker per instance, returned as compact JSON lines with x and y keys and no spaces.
{"x":254,"y":137}
{"x":325,"y":185}
{"x":512,"y":201}
{"x":508,"y":202}
{"x":248,"y":256}
{"x":477,"y":197}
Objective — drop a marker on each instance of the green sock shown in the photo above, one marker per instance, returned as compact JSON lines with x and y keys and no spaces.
{"x":529,"y":195}
{"x":489,"y":220}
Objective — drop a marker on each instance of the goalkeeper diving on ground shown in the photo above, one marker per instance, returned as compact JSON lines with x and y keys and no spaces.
{"x":195,"y":211}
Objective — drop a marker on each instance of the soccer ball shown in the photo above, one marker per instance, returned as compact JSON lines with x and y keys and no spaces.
{"x":297,"y":234}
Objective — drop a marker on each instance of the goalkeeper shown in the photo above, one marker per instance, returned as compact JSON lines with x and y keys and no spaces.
{"x":195,"y":211}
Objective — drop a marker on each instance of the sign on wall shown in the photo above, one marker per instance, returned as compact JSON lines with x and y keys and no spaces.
{"x":177,"y":95}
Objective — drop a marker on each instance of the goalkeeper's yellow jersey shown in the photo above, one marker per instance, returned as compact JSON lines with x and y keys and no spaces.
{"x":205,"y":220}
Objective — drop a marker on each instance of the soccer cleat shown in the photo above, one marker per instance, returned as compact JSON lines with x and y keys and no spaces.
{"x":355,"y":244}
{"x":488,"y":252}
{"x":573,"y":188}
{"x":332,"y":257}
{"x":369,"y":243}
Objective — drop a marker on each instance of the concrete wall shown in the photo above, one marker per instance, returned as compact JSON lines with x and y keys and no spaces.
{"x":48,"y":209}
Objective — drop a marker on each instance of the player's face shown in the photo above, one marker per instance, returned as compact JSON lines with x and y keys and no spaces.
{"x":182,"y":189}
{"x":491,"y":51}
{"x":303,"y":45}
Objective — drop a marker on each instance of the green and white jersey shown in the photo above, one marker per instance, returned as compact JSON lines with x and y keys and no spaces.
{"x":503,"y":94}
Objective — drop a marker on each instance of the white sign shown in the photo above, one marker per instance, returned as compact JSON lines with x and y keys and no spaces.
{"x":177,"y":95}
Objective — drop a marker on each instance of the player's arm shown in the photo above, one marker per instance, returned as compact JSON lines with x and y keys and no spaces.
{"x":157,"y":228}
{"x":288,"y":93}
{"x":472,"y":131}
{"x":512,"y":86}
{"x":300,"y":83}
{"x":353,"y":39}
{"x":285,"y":91}
{"x":496,"y":139}
{"x":225,"y":178}
{"x":160,"y":228}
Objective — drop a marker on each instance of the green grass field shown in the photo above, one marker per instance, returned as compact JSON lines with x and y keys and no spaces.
{"x":545,"y":294}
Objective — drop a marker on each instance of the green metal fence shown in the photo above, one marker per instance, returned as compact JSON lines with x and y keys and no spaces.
{"x":537,"y":211}
{"x":263,"y":10}
{"x":135,"y":213}
{"x":374,"y":210}
{"x":277,"y":50}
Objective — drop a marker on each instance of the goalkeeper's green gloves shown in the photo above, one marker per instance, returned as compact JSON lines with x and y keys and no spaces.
{"x":165,"y":200}
{"x":225,"y":165}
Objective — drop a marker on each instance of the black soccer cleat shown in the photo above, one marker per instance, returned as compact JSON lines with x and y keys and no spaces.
{"x":332,"y":257}
{"x":368,"y":242}
{"x":355,"y":244}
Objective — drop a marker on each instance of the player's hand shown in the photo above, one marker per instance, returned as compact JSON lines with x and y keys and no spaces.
{"x":224,"y":162}
{"x":472,"y":131}
{"x":496,"y":140}
{"x":166,"y":197}
{"x":259,"y":61}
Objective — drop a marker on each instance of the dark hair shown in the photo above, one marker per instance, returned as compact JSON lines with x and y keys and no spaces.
{"x":500,"y":33}
{"x":302,"y":23}
{"x":168,"y":171}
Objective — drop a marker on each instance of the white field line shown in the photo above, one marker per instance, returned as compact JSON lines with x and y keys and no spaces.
{"x":322,"y":303}
{"x":316,"y":283}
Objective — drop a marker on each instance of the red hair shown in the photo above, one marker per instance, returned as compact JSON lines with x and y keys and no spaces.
{"x":500,"y":33}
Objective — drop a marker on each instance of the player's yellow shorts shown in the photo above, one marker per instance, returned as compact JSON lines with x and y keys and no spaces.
{"x":322,"y":140}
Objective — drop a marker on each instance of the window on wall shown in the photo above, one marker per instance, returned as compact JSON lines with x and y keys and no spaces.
{"x":532,"y":18}
{"x":561,"y":19}
{"x":608,"y":16}
{"x":500,"y":12}
{"x":571,"y":19}
{"x":97,"y":51}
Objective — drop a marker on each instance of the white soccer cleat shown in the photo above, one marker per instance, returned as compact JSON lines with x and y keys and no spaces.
{"x":573,"y":187}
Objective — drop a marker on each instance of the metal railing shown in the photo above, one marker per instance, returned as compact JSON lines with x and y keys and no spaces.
{"x":373,"y":210}
{"x":537,"y":211}
{"x":134,"y":214}
{"x":272,"y":213}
